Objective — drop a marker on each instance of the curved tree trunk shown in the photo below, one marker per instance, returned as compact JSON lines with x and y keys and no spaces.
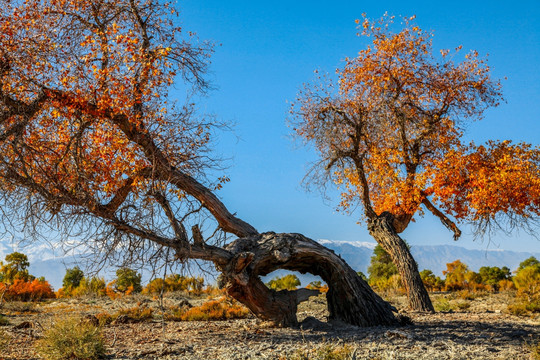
{"x":382,"y":229}
{"x":350,"y":299}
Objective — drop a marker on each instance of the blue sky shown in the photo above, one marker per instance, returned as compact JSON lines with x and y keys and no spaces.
{"x":269,"y":49}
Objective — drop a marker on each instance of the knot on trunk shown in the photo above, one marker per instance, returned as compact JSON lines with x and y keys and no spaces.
{"x":282,"y":255}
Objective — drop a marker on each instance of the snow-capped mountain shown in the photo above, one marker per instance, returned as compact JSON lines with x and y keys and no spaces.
{"x":432,"y":257}
{"x":51,"y":260}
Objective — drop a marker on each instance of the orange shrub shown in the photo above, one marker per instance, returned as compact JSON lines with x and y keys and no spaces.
{"x":111,"y":292}
{"x":220,"y":309}
{"x":21,"y":290}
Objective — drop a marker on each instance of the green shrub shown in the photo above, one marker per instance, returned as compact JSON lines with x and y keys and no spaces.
{"x":73,"y":278}
{"x":15,"y":268}
{"x":175,"y":282}
{"x":137,"y":313}
{"x":128,"y":281}
{"x":72,"y":339}
{"x":325,"y":352}
{"x":382,"y":273}
{"x":3,"y":320}
{"x":431,"y":282}
{"x":442,"y":305}
{"x":287,"y":282}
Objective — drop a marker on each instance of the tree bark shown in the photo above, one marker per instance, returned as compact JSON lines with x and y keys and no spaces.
{"x":382,"y":229}
{"x":350,"y":299}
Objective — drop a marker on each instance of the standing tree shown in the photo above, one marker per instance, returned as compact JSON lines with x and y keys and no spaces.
{"x":15,"y":268}
{"x":92,"y":147}
{"x":389,"y":135}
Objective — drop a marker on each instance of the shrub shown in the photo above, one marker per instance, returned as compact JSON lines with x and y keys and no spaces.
{"x":72,"y":339}
{"x":128,"y":280}
{"x":527,"y":282}
{"x":21,"y":290}
{"x":175,"y":282}
{"x":3,"y":320}
{"x":325,"y":352}
{"x":220,"y":309}
{"x":381,"y":270}
{"x":493,"y":275}
{"x":463,"y":305}
{"x":137,"y":313}
{"x":442,"y":305}
{"x":459,"y":277}
{"x":16,"y":268}
{"x":317,"y":285}
{"x":73,"y":278}
{"x":431,"y":282}
{"x":287,"y":282}
{"x":90,"y":287}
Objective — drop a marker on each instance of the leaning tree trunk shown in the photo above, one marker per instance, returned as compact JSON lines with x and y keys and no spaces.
{"x":350,"y":299}
{"x":382,"y":229}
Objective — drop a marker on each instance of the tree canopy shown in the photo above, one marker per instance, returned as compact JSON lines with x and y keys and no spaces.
{"x":389,"y":134}
{"x":93,"y":147}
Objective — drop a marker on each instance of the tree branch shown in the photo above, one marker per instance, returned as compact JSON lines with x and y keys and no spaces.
{"x":444,"y":219}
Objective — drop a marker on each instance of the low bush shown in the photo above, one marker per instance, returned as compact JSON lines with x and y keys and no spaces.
{"x":3,"y":320}
{"x":463,"y":305}
{"x":22,"y":290}
{"x":442,"y":305}
{"x":220,"y":309}
{"x":325,"y":352}
{"x":317,"y":285}
{"x":72,"y":339}
{"x":287,"y":282}
{"x":175,"y":282}
{"x":137,"y":313}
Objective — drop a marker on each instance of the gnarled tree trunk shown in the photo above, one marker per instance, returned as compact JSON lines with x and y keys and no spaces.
{"x":382,"y":229}
{"x":350,"y":299}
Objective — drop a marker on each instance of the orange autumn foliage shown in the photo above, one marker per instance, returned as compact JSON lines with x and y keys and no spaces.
{"x":21,"y":290}
{"x":78,"y":76}
{"x":389,"y":131}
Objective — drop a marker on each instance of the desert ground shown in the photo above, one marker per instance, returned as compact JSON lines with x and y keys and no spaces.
{"x":477,"y":328}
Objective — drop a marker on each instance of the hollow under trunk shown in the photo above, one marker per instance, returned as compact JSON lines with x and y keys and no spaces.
{"x":382,"y":230}
{"x":350,"y":299}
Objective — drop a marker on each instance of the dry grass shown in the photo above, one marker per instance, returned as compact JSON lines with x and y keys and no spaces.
{"x":72,"y":339}
{"x":325,"y":352}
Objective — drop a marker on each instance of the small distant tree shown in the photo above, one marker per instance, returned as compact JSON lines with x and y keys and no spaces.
{"x":458,"y":276}
{"x":532,"y":261}
{"x":382,"y":272}
{"x":128,"y":280}
{"x":431,"y":282}
{"x":287,"y":282}
{"x":527,"y":281}
{"x":73,"y":278}
{"x":15,"y":268}
{"x":493,"y":275}
{"x":389,"y":133}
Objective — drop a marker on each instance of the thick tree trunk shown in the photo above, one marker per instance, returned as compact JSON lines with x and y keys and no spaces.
{"x":350,"y":299}
{"x":382,"y":229}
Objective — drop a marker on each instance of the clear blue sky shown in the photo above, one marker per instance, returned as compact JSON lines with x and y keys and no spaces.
{"x":268,"y":49}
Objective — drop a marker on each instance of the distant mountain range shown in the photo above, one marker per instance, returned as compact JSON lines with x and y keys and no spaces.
{"x":50,"y":261}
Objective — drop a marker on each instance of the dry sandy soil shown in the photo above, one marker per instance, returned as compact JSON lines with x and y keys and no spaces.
{"x":482,"y":331}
